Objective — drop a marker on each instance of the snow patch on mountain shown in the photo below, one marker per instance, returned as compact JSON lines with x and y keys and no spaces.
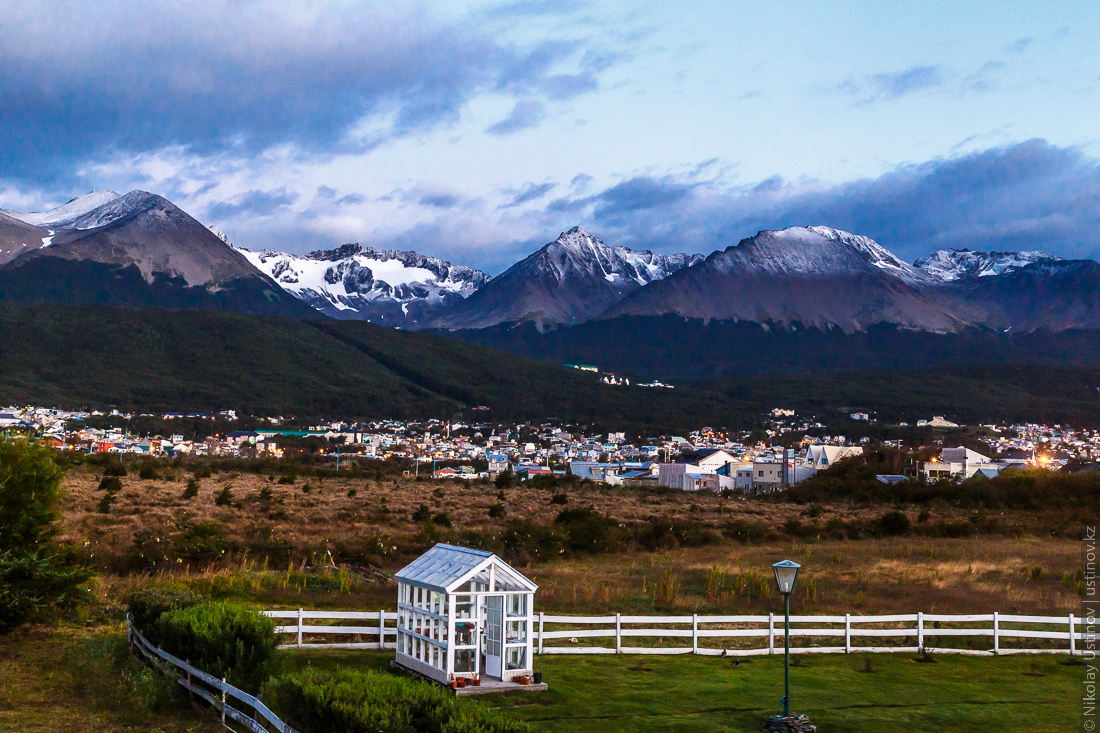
{"x":818,"y":250}
{"x":68,"y":212}
{"x":220,"y":234}
{"x":358,"y":279}
{"x":577,"y":251}
{"x":951,"y":265}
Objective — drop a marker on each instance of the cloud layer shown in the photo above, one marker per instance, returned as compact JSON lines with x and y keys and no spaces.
{"x":86,"y":80}
{"x":1028,"y":196}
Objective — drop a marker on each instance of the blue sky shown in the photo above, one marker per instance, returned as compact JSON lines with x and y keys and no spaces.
{"x":478,"y":131}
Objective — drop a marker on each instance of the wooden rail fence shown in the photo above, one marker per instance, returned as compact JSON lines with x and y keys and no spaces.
{"x":215,"y":691}
{"x":556,"y":634}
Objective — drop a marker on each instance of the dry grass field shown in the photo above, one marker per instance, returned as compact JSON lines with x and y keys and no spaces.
{"x":150,"y":527}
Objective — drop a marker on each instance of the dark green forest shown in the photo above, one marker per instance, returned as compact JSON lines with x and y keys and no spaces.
{"x":155,"y":360}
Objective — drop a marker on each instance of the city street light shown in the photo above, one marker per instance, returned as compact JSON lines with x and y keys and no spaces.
{"x":785,"y":574}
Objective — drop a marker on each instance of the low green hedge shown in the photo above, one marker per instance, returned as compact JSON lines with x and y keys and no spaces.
{"x":147,"y":604}
{"x":222,"y":639}
{"x":375,"y":702}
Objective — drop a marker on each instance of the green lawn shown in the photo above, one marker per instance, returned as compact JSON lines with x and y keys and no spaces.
{"x":604,"y":694}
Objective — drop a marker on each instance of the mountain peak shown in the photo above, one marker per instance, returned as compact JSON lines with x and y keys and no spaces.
{"x":814,"y":250}
{"x":950,"y":265}
{"x":577,"y":237}
{"x":67,"y":212}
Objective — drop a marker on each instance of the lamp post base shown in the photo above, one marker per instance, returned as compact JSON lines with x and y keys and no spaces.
{"x":792,"y":723}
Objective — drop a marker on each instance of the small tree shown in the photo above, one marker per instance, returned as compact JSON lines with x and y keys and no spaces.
{"x":34,"y":574}
{"x":224,"y":497}
{"x":192,"y":489}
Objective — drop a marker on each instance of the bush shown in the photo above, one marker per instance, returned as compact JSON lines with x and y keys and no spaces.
{"x":222,"y":639}
{"x":497,"y":511}
{"x":34,"y":576}
{"x":894,"y":523}
{"x":146,"y":606}
{"x":442,"y":519}
{"x":105,"y":503}
{"x":422,"y":513}
{"x":224,"y":497}
{"x":114,"y":468}
{"x":375,"y":702}
{"x":202,"y":471}
{"x":559,"y":499}
{"x":192,"y":489}
{"x":110,"y":484}
{"x":31,"y":583}
{"x":148,"y":472}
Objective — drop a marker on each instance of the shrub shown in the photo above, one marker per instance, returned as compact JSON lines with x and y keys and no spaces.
{"x":31,"y":583}
{"x":192,"y":489}
{"x":442,"y":519}
{"x":147,"y":604}
{"x":375,"y":702}
{"x":496,"y":511}
{"x":894,"y":523}
{"x":114,"y":468}
{"x":105,"y":503}
{"x":422,"y":513}
{"x":222,"y":639}
{"x":148,"y":472}
{"x":202,"y":471}
{"x":505,"y":479}
{"x":110,"y":484}
{"x":34,"y":576}
{"x":224,"y":497}
{"x":559,"y":499}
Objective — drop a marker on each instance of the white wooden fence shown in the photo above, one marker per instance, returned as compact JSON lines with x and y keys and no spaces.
{"x":556,"y":634}
{"x":215,"y":691}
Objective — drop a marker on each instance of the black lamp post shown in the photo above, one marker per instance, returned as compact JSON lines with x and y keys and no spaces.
{"x":785,"y":574}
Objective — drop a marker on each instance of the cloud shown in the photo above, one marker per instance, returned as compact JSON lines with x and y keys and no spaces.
{"x":530,"y":192}
{"x":889,"y":86}
{"x":88,"y":81}
{"x":252,"y":204}
{"x":640,"y":193}
{"x":439,"y":200}
{"x":526,"y":113}
{"x":1031,"y":195}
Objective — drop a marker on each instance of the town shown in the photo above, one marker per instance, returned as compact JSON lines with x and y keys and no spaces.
{"x":785,"y":450}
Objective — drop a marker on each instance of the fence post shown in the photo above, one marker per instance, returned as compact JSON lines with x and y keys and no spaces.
{"x":300,"y":628}
{"x":618,"y":633}
{"x":996,"y":633}
{"x":847,"y":633}
{"x":694,"y":633}
{"x":771,"y":633}
{"x":920,"y":631}
{"x":540,"y":632}
{"x":1072,"y":641}
{"x":382,"y":629}
{"x":223,"y":702}
{"x":190,"y":691}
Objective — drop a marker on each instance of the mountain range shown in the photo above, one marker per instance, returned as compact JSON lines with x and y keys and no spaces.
{"x":839,"y":296}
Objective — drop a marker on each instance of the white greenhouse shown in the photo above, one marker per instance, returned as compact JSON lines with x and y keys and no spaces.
{"x":464,"y":613}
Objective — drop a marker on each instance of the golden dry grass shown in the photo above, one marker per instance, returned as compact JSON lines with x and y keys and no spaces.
{"x":966,"y":575}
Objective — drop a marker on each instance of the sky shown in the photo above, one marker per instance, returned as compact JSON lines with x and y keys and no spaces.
{"x":478,"y":131}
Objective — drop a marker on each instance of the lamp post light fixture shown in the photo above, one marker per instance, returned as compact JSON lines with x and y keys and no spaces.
{"x":786,"y":572}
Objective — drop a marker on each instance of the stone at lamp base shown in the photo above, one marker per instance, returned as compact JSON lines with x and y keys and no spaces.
{"x":792,"y":723}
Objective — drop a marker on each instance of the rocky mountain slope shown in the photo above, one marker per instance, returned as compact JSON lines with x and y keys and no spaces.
{"x":389,"y":287}
{"x":138,"y":250}
{"x":813,"y":276}
{"x":569,"y":280}
{"x":953,"y":265}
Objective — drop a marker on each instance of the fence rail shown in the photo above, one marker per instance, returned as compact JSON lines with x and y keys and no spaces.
{"x":557,"y":634}
{"x":215,"y":691}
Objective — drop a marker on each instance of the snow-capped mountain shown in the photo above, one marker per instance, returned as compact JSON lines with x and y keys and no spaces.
{"x":137,"y":250}
{"x":569,"y":280}
{"x":386,"y":286}
{"x":951,"y":265}
{"x":808,"y":275}
{"x":64,"y":215}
